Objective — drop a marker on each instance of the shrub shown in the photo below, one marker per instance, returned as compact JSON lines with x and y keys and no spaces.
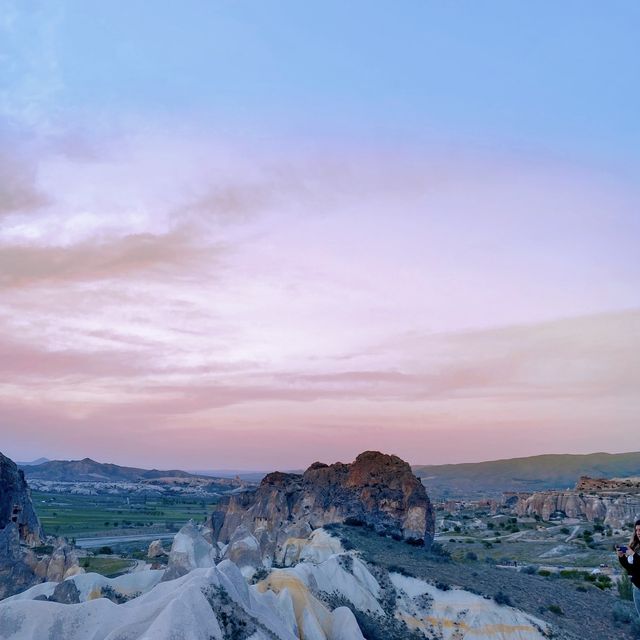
{"x":396,"y":568}
{"x":621,"y":613}
{"x":439,"y":551}
{"x":544,"y":573}
{"x":530,"y":570}
{"x":105,"y":550}
{"x":557,"y":609}
{"x":572,"y":574}
{"x":502,"y":598}
{"x":443,"y":586}
{"x":415,"y":542}
{"x":625,"y":590}
{"x":354,"y":522}
{"x":603,"y":581}
{"x":470,"y":555}
{"x":259,"y":575}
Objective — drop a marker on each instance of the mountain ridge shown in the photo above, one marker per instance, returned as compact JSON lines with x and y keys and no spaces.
{"x":89,"y":470}
{"x":530,"y":473}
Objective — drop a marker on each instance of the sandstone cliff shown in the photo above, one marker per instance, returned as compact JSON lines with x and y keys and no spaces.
{"x":376,"y":490}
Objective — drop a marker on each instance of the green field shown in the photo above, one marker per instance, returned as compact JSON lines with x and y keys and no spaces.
{"x":78,"y":515}
{"x":109,"y":567}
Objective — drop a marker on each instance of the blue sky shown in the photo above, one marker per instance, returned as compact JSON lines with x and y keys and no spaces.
{"x":552,"y":77}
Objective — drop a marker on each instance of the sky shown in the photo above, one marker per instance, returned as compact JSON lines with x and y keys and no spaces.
{"x":256,"y":234}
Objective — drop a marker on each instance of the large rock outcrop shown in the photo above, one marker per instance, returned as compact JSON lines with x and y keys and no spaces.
{"x":15,"y":503}
{"x":19,"y":525}
{"x":20,"y":530}
{"x":376,"y":490}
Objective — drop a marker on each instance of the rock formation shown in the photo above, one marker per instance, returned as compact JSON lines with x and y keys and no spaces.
{"x":376,"y":490}
{"x":190,"y":550}
{"x":15,"y":503}
{"x":156,"y":550}
{"x":608,"y":485}
{"x":613,"y":502}
{"x":325,"y":598}
{"x":19,"y":525}
{"x":59,"y":565}
{"x":20,"y":529}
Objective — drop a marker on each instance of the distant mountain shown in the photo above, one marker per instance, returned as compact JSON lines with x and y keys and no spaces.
{"x":33,"y":462}
{"x":535,"y":473}
{"x":88,"y":470}
{"x":243,"y":474}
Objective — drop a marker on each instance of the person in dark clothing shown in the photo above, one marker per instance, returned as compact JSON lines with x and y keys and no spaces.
{"x":629,"y":558}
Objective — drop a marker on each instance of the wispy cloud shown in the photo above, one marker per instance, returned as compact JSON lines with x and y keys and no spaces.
{"x":26,"y":265}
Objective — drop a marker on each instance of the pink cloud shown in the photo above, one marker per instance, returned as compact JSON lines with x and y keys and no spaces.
{"x":25,"y":265}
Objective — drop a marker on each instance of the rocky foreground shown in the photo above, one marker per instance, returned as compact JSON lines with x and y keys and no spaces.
{"x":330,"y":594}
{"x":269,"y":565}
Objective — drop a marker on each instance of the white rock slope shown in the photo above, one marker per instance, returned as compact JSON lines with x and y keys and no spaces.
{"x":303,"y":602}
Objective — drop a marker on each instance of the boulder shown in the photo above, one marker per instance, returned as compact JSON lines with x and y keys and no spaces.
{"x":66,"y":592}
{"x":190,"y":550}
{"x":156,"y":550}
{"x":243,"y":549}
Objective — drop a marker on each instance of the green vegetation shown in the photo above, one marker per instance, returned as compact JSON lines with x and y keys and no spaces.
{"x":108,"y":567}
{"x":625,"y":589}
{"x":80,"y":515}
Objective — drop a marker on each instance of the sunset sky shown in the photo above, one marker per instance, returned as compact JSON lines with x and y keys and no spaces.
{"x":256,"y":234}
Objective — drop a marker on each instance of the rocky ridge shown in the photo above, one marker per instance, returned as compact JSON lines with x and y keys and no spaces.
{"x":614,"y":502}
{"x":376,"y":490}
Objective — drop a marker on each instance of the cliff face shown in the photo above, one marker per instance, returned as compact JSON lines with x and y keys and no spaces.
{"x":614,"y":502}
{"x":377,"y":490}
{"x":15,"y":503}
{"x":18,"y":524}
